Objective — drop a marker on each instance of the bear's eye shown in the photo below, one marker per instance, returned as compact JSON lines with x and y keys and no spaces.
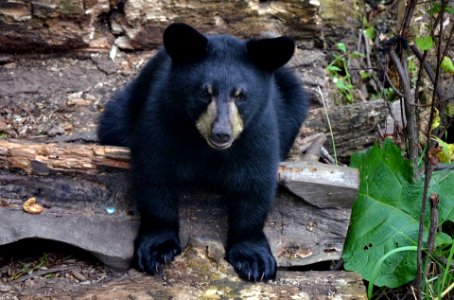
{"x":239,"y":95}
{"x":207,"y":93}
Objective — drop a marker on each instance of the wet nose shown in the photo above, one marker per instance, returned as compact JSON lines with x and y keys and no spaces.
{"x":221,"y":134}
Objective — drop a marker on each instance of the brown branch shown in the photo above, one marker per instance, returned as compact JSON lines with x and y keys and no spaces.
{"x":410,"y":112}
{"x":428,"y":167}
{"x":407,"y":17}
{"x":41,"y":273}
{"x":434,"y":200}
{"x":428,"y":69}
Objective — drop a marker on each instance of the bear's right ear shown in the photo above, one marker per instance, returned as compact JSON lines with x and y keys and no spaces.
{"x":183,"y":43}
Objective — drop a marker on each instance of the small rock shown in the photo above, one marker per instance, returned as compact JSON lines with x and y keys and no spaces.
{"x":55,"y":130}
{"x":100,"y":43}
{"x":124,"y":43}
{"x":75,"y":95}
{"x":5,"y":288}
{"x":116,"y":27}
{"x":79,"y":102}
{"x":105,"y":64}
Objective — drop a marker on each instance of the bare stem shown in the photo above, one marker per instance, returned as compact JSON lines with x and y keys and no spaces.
{"x":410,"y":112}
{"x":434,"y":199}
{"x":428,"y":69}
{"x":428,"y":168}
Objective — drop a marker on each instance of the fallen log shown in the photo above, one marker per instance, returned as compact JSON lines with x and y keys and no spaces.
{"x":354,"y":127}
{"x":83,"y":189}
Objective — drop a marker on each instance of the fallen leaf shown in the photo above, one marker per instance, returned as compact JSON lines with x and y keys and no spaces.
{"x":32,"y":207}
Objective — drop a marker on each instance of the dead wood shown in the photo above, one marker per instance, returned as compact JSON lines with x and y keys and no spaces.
{"x":355,"y":127}
{"x":56,"y":25}
{"x":78,"y":183}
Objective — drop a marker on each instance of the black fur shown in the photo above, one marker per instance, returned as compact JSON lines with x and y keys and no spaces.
{"x":156,"y":113}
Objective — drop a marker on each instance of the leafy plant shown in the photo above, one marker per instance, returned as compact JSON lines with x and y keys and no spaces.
{"x":424,"y":43}
{"x":385,"y":216}
{"x":447,"y":65}
{"x":339,"y":72}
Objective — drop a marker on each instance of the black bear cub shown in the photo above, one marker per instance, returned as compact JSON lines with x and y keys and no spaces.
{"x":213,"y":111}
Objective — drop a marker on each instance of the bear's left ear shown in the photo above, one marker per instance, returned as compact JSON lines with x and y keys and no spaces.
{"x":183,"y":43}
{"x":271,"y":54}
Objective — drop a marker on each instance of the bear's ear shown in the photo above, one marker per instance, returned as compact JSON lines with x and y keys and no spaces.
{"x":271,"y":54}
{"x":183,"y":43}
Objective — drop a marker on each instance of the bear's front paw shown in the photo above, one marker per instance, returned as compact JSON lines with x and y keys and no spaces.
{"x":153,"y":250}
{"x":252,"y":261}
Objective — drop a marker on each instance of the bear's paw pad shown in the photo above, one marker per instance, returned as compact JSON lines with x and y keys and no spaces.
{"x":153,"y":251}
{"x":252,"y":261}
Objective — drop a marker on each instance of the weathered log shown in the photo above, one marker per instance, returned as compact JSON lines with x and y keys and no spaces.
{"x":355,"y":127}
{"x":135,"y":24}
{"x":72,"y":183}
{"x":327,"y":185}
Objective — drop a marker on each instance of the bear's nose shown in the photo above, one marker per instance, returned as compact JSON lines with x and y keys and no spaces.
{"x":220,"y":136}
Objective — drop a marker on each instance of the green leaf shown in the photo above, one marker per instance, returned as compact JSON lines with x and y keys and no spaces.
{"x":447,"y":65}
{"x":370,"y":32}
{"x":341,"y":46}
{"x":437,"y":8}
{"x":364,"y":74}
{"x":340,"y":84}
{"x":450,"y":110}
{"x":424,"y":43}
{"x":333,"y":68}
{"x":385,"y":215}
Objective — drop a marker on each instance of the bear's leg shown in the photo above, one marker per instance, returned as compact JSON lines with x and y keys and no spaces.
{"x":248,"y":250}
{"x":158,"y":242}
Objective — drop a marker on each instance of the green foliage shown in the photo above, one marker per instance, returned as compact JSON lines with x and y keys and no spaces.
{"x":424,"y":43}
{"x":436,"y":8}
{"x":450,"y":110}
{"x":341,"y":47}
{"x":370,"y":32}
{"x":339,"y":72}
{"x":389,"y":94}
{"x":447,"y":65}
{"x":386,"y":214}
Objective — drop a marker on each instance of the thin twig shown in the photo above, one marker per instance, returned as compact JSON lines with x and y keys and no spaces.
{"x":428,"y":168}
{"x":329,"y":123}
{"x":41,"y":273}
{"x":428,"y":70}
{"x":396,"y":90}
{"x":411,"y":125}
{"x":407,"y":17}
{"x":419,"y":79}
{"x":434,"y":199}
{"x":367,"y":49}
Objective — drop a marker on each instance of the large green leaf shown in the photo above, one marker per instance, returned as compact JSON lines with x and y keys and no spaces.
{"x":386,"y":214}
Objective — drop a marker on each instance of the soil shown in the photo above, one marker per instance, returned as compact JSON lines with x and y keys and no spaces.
{"x":60,"y":96}
{"x":40,"y":268}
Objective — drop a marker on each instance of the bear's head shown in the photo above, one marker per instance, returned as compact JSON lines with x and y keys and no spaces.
{"x":223,"y":83}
